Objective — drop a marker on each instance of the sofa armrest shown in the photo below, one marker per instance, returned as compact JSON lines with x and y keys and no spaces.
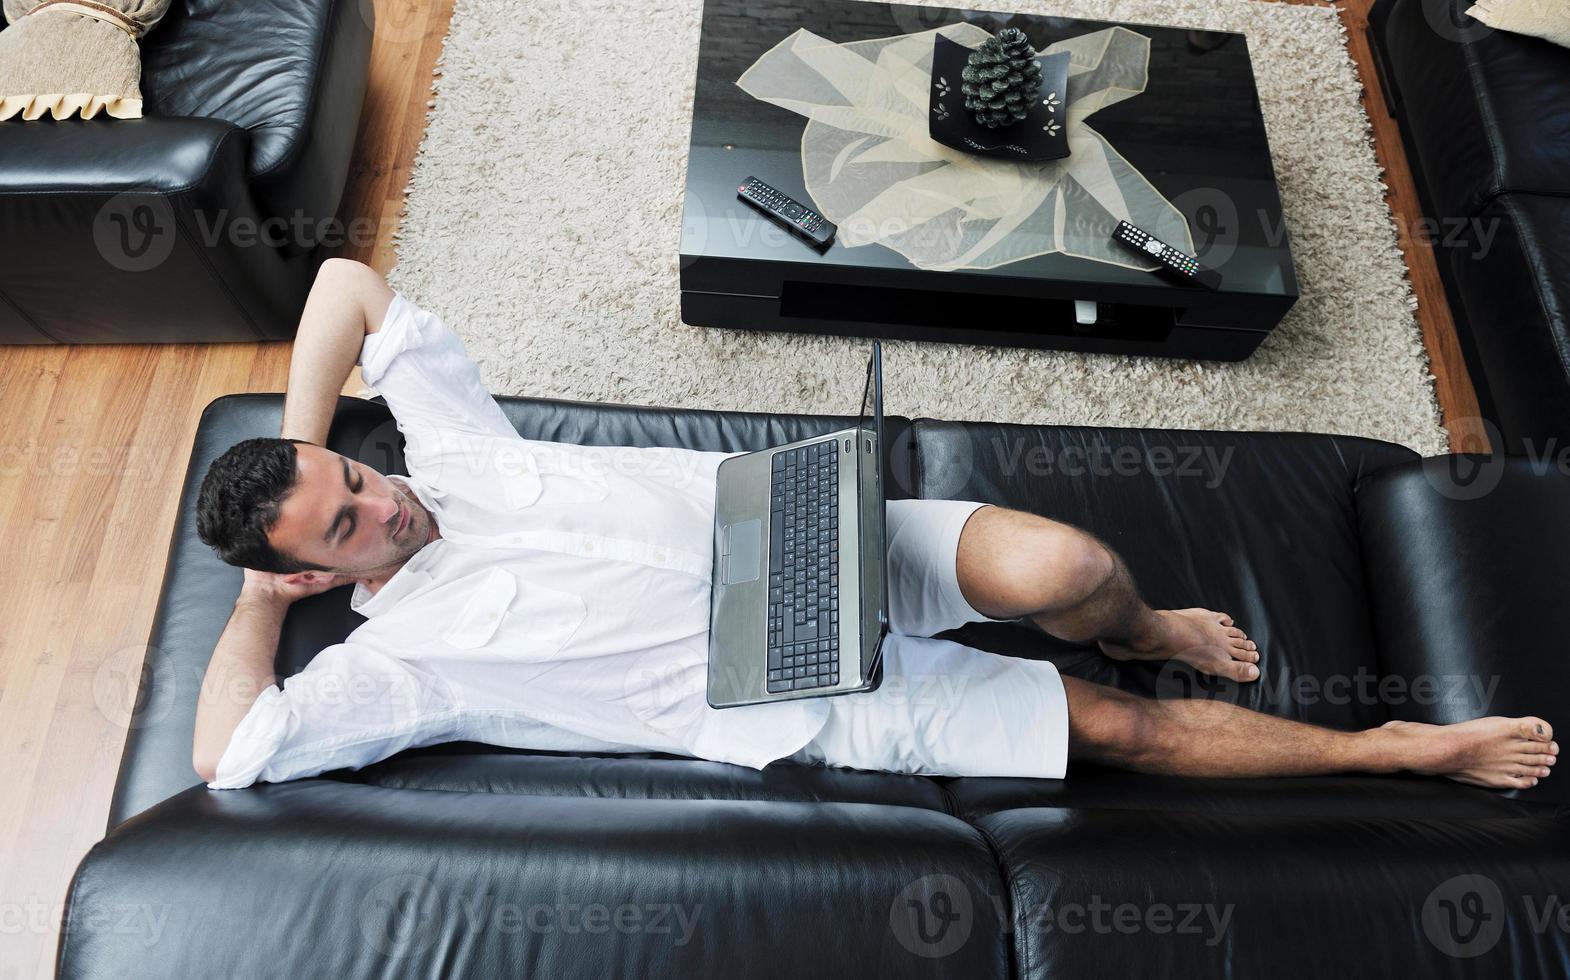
{"x":112,"y":156}
{"x":1467,"y":559}
{"x":292,"y":73}
{"x":149,"y":215}
{"x":318,"y":878}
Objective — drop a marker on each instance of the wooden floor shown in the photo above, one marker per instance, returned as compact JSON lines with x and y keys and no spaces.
{"x":92,"y":457}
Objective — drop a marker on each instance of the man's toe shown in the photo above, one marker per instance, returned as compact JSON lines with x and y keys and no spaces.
{"x":1535,"y":729}
{"x":1240,"y":671}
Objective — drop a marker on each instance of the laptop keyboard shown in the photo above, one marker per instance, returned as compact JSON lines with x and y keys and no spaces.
{"x":804,"y":572}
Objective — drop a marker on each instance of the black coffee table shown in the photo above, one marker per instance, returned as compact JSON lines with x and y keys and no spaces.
{"x":1195,"y":133}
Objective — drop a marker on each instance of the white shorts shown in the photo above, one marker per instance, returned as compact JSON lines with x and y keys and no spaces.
{"x":943,"y":709}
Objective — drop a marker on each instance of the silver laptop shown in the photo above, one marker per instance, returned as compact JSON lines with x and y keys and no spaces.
{"x":799,"y":606}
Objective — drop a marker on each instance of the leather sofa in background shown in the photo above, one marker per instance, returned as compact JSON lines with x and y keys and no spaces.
{"x":1379,"y":585}
{"x":1485,"y":115}
{"x":204,"y":220}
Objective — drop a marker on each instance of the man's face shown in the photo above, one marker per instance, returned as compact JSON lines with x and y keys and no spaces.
{"x":346,"y":516}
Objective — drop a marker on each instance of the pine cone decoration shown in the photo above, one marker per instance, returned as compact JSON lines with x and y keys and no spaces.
{"x":1001,"y":78}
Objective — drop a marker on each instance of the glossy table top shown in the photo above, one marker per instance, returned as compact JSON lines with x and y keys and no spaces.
{"x":1196,"y":134}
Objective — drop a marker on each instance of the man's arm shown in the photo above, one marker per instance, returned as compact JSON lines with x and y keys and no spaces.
{"x":241,"y":667}
{"x":348,"y":301}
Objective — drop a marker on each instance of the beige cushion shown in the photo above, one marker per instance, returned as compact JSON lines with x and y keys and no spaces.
{"x":1547,"y":19}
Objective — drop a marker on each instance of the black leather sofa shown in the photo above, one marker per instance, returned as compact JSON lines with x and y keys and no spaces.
{"x":204,"y":220}
{"x":1379,"y":585}
{"x":1485,"y":116}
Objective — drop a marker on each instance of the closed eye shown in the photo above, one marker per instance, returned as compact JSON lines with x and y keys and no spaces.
{"x":345,"y":516}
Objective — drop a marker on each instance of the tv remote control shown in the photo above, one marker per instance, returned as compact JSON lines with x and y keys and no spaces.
{"x":1180,"y":264}
{"x":786,"y":211}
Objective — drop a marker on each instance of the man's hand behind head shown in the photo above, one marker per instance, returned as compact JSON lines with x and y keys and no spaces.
{"x":284,"y":589}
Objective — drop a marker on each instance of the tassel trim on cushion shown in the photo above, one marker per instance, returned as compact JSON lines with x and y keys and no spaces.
{"x":62,"y":106}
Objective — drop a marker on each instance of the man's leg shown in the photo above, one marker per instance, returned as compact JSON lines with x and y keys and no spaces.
{"x":1217,"y":738}
{"x":1012,"y":563}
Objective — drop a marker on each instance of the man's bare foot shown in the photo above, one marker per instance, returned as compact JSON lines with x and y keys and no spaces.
{"x":1202,"y":638}
{"x":1499,"y":753}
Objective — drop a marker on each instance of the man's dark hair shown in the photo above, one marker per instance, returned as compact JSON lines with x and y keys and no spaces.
{"x":239,"y":503}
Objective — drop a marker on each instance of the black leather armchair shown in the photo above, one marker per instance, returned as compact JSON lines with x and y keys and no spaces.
{"x":1485,"y":115}
{"x":1380,"y":586}
{"x":203,"y":220}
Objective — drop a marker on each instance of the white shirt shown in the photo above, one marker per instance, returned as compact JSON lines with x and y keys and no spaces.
{"x":565,"y":606}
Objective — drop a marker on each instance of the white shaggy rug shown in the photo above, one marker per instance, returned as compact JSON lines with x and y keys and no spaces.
{"x":551,"y":246}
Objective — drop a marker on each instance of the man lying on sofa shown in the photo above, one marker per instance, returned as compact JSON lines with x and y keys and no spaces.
{"x":556,"y":597}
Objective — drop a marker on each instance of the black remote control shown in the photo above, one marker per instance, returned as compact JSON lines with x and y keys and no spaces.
{"x":786,"y":211}
{"x":1180,"y":264}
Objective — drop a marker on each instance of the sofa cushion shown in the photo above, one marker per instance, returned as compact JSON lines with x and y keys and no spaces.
{"x":1099,"y":788}
{"x":462,"y":767}
{"x":1515,"y":291}
{"x":1489,"y":111}
{"x":1124,"y":893}
{"x":1468,"y":579}
{"x":1260,"y":525}
{"x":323,"y":879}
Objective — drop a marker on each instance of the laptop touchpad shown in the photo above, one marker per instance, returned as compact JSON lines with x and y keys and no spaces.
{"x":743,"y":552}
